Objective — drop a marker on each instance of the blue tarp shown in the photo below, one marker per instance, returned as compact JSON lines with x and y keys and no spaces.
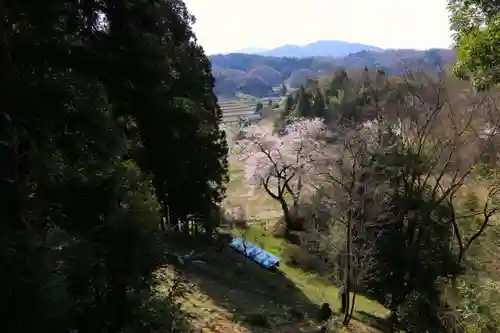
{"x":260,"y":256}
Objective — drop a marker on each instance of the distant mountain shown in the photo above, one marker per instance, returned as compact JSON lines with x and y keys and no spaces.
{"x":251,"y":50}
{"x":322,"y":48}
{"x":262,"y":76}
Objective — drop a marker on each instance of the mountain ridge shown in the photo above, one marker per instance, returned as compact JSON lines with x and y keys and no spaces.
{"x":258,"y":75}
{"x":320,"y":48}
{"x":251,"y":50}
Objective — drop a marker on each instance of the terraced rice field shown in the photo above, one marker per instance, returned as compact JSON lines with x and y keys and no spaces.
{"x":232,"y":110}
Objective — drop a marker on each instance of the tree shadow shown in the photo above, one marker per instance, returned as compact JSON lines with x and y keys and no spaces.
{"x":250,"y":294}
{"x":310,"y":263}
{"x":381,"y":324}
{"x":161,"y":315}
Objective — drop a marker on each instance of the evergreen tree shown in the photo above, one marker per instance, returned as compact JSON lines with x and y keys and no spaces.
{"x":303,"y":106}
{"x":108,"y":117}
{"x":258,"y":107}
{"x":338,"y":82}
{"x":289,"y":104}
{"x":287,"y":111}
{"x":318,"y":107}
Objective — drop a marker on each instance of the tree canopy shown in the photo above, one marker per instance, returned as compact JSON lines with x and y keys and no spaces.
{"x":476,"y":26}
{"x":108,"y":125}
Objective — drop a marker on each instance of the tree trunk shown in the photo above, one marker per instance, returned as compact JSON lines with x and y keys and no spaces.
{"x":185,"y":225}
{"x":348,"y":267}
{"x":245,"y":249}
{"x":287,"y":216}
{"x":162,"y":223}
{"x":164,"y":218}
{"x":353,"y":302}
{"x":118,"y":302}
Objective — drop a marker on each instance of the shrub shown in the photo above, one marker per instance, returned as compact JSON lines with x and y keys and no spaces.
{"x":296,"y":256}
{"x":279,"y":229}
{"x":258,"y":319}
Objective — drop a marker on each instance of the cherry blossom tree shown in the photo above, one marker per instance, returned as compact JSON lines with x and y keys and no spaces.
{"x":284,"y":165}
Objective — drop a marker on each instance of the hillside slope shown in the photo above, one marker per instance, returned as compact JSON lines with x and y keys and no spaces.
{"x":228,"y":294}
{"x":228,"y":69}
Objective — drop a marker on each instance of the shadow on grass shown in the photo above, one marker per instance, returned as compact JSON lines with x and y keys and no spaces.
{"x":381,"y":324}
{"x":297,"y":256}
{"x":254,"y":296}
{"x":161,"y":315}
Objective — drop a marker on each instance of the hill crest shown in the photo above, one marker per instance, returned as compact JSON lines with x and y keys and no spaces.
{"x":232,"y":71}
{"x":320,"y":48}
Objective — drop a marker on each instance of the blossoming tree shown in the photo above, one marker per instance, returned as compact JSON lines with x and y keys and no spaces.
{"x":284,"y":165}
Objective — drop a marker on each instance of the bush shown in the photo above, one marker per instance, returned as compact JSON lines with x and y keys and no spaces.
{"x":297,"y":257}
{"x":478,"y":307}
{"x":279,"y":229}
{"x":298,"y":223}
{"x":258,"y":319}
{"x":296,"y":313}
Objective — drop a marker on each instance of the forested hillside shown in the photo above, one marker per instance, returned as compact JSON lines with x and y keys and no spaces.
{"x":108,"y":124}
{"x":388,"y":186}
{"x":257,"y":75}
{"x":376,"y":185}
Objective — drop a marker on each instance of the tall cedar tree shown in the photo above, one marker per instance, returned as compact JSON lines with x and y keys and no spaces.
{"x":303,"y":106}
{"x":318,"y":106}
{"x":338,"y":82}
{"x":107,"y":111}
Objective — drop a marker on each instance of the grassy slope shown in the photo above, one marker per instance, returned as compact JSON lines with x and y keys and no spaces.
{"x":257,"y":204}
{"x":317,"y":289}
{"x":230,"y":294}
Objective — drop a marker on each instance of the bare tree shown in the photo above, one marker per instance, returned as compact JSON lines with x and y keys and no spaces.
{"x":351,"y":199}
{"x":411,"y":165}
{"x":430,"y":143}
{"x":448,"y":137}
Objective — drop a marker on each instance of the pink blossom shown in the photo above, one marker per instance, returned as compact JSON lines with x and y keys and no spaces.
{"x":289,"y":159}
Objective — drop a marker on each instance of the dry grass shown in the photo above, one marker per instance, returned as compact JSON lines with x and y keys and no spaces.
{"x":229,"y":294}
{"x":257,"y":204}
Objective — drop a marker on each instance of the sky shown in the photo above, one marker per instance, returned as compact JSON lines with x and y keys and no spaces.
{"x":230,"y":25}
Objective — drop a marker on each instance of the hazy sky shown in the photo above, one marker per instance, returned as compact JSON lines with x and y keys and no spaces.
{"x":230,"y":25}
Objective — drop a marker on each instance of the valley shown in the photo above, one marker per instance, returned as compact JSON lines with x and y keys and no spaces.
{"x":264,"y":76}
{"x":320,"y":186}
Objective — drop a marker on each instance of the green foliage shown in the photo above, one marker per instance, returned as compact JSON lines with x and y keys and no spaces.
{"x":239,"y":71}
{"x":478,"y":306}
{"x":477,"y":36}
{"x":303,"y":105}
{"x":339,"y":81}
{"x":258,"y":319}
{"x":318,"y":106}
{"x":259,"y":107}
{"x":108,"y":118}
{"x":288,"y":108}
{"x":405,"y":227}
{"x":289,"y":104}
